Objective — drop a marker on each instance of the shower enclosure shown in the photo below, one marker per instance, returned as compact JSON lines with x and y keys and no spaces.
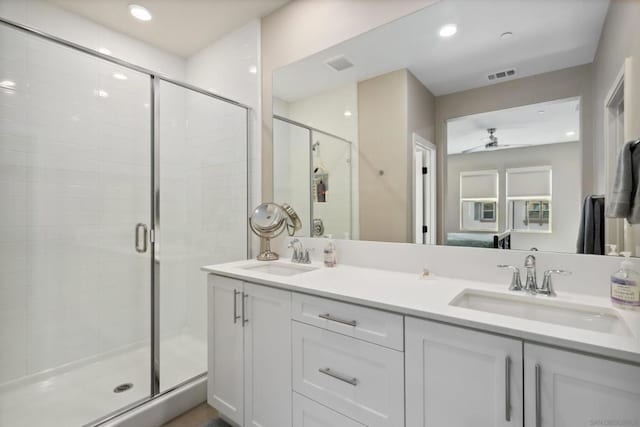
{"x":116,"y":185}
{"x":312,"y":171}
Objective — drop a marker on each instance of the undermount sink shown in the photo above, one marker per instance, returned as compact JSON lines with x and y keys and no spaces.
{"x":279,"y":269}
{"x":597,"y":319}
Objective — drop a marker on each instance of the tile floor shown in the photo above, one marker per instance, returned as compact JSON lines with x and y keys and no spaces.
{"x":200,"y":416}
{"x":84,"y":393}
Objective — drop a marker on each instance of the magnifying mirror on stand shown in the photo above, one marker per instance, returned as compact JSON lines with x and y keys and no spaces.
{"x":268,"y":221}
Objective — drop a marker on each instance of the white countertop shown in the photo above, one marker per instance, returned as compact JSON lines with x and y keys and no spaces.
{"x":410,"y":295}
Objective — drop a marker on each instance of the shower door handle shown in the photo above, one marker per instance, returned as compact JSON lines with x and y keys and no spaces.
{"x":141,"y":248}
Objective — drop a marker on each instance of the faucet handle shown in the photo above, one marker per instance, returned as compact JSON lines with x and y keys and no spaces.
{"x":547,"y":284}
{"x":306,"y":258}
{"x":516,"y":282}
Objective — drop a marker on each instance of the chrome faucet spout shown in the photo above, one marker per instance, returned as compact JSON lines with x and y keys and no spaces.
{"x":531,"y":285}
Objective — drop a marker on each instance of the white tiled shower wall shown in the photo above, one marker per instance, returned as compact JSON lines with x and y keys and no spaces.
{"x":73,"y":186}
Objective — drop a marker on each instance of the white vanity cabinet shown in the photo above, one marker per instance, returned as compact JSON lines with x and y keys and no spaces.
{"x":459,"y":377}
{"x":249,"y":345}
{"x":564,"y":388}
{"x":456,"y":377}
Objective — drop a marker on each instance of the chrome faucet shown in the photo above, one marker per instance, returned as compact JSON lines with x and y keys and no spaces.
{"x":300,"y":254}
{"x":531,"y":285}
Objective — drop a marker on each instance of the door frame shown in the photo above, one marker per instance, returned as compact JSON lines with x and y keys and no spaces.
{"x":429,"y":150}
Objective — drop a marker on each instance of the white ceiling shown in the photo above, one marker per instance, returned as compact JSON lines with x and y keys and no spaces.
{"x":547,"y":35}
{"x":182,"y":27}
{"x":517,"y":127}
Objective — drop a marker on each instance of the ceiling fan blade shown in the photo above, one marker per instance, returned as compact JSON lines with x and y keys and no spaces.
{"x":472,"y":149}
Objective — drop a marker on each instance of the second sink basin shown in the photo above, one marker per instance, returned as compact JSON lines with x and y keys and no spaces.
{"x":597,"y":319}
{"x":279,"y":269}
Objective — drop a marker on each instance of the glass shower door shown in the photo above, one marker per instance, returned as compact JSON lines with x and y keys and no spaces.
{"x":75,"y":144}
{"x":202,"y":175}
{"x":291,"y":170}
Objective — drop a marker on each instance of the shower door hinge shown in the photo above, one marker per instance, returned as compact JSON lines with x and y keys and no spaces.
{"x":152,"y":236}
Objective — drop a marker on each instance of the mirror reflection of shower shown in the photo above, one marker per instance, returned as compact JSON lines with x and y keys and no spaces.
{"x":313,"y":169}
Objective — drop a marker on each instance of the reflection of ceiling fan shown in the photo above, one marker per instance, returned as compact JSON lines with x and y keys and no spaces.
{"x":490,"y":143}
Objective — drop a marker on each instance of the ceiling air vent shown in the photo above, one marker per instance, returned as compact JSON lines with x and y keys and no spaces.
{"x":339,"y":63}
{"x":502,"y":74}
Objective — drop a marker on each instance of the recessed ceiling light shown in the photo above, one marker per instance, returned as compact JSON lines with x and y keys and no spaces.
{"x":104,"y":51}
{"x":253,"y":69}
{"x":448,"y":30}
{"x":570,"y":133}
{"x":119,"y":76}
{"x":347,"y":113}
{"x":8,"y":84}
{"x":540,"y":111}
{"x":506,"y":35}
{"x":140,"y":12}
{"x":102,"y":93}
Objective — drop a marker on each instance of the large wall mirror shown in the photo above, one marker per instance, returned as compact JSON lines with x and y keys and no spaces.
{"x":485,"y":123}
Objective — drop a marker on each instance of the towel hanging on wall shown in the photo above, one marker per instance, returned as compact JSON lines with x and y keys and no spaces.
{"x":624,"y":201}
{"x":591,"y":232}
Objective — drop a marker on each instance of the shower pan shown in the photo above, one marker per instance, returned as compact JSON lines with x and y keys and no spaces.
{"x":114,"y":192}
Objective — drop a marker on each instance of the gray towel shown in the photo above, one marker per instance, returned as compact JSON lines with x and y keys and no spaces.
{"x":591,"y":232}
{"x":624,"y":201}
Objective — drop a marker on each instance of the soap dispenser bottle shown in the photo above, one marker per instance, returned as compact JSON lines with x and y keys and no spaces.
{"x":625,"y":285}
{"x":330,"y":259}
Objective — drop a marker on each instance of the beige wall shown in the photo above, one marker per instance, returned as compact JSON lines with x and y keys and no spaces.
{"x":564,"y":160}
{"x":391,"y":107}
{"x":570,"y":82}
{"x":382,"y":132}
{"x":304,"y":27}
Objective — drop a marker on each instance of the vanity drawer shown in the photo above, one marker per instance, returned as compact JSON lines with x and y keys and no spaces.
{"x":361,"y":380}
{"x":307,"y":413}
{"x":378,"y":327}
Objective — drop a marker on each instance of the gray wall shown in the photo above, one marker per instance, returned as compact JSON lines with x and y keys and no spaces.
{"x":620,"y":39}
{"x":570,"y":82}
{"x":564,"y":160}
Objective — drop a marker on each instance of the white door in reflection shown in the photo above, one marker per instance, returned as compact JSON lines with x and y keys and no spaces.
{"x":424,"y":201}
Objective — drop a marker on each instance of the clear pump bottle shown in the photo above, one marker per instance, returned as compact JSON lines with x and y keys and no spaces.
{"x":625,"y":285}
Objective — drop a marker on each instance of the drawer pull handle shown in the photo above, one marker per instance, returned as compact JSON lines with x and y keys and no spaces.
{"x":328,"y":316}
{"x":349,"y":380}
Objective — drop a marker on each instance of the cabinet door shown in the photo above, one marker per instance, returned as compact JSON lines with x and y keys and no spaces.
{"x":570,"y":389}
{"x":456,"y":377}
{"x":267,"y":336}
{"x":225,"y":377}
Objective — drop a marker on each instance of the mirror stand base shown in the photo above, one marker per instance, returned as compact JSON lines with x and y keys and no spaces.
{"x":267,"y":254}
